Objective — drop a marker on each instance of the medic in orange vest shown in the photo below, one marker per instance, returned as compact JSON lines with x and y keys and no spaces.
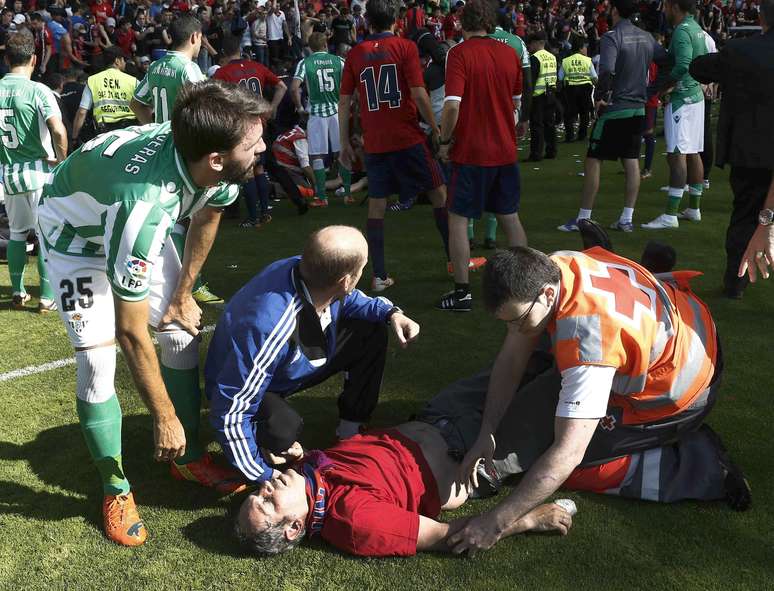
{"x":637,"y":367}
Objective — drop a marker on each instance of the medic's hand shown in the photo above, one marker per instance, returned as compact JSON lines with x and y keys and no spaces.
{"x":480,"y":533}
{"x":482,"y":450}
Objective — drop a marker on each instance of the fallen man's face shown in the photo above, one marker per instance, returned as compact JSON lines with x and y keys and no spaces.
{"x":274,"y":502}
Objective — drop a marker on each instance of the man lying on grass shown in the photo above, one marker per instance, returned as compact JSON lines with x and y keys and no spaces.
{"x":377,"y":494}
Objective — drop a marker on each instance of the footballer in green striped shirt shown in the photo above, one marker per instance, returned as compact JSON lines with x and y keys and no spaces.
{"x":34,"y":140}
{"x":105,"y":222}
{"x":320,"y":72}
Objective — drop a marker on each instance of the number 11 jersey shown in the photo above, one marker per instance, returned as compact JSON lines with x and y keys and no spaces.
{"x":383,"y":69}
{"x":161,"y":84}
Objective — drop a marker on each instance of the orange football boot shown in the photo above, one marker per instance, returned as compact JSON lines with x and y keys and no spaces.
{"x":122,"y":522}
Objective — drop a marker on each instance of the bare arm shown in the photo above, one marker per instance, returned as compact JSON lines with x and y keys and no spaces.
{"x":201,"y":234}
{"x":59,"y":137}
{"x":449,"y":116}
{"x":507,"y":372}
{"x":279,"y":94}
{"x":295,"y":94}
{"x":421,"y":98}
{"x":80,"y":117}
{"x":144,"y":113}
{"x":347,"y":154}
{"x":134,"y":339}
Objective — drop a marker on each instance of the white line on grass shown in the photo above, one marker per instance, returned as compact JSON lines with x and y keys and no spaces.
{"x":51,"y":365}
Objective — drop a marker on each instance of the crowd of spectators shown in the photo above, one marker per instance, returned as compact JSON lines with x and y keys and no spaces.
{"x":74,"y":35}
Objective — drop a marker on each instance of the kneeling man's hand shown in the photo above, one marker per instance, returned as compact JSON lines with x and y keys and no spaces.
{"x":294,"y":453}
{"x":405,"y":329}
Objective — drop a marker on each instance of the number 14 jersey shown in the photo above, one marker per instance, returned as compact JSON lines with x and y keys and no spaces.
{"x":384,"y":69}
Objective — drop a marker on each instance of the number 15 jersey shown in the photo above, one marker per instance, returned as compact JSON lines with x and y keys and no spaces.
{"x":384,"y":69}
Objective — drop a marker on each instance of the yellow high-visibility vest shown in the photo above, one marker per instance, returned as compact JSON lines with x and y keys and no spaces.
{"x":111,"y":92}
{"x":577,"y":69}
{"x":547,"y":77}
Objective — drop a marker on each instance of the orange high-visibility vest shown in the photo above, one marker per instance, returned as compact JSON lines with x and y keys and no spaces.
{"x":658,"y":335}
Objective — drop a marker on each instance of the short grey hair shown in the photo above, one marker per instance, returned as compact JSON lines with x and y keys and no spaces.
{"x":269,"y":541}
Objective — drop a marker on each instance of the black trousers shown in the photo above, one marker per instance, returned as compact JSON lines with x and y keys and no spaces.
{"x":750,"y":186}
{"x":276,"y":51}
{"x":577,"y":102}
{"x":708,"y":155}
{"x":542,"y":127}
{"x":361,"y":351}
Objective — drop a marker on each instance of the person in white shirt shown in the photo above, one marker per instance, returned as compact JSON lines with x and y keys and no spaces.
{"x":277,"y":34}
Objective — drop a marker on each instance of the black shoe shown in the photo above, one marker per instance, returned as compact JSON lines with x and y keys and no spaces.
{"x":658,"y":257}
{"x":248,"y":223}
{"x":490,"y":244}
{"x":738,"y":491}
{"x":454,"y":301}
{"x":533,"y":159}
{"x":551,"y":156}
{"x":733,"y":293}
{"x":592,"y":234}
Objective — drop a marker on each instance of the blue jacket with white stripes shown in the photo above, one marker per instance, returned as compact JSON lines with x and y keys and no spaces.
{"x":269,"y":339}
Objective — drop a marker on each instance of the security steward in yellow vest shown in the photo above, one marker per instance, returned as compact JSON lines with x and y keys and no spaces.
{"x":542,"y":120}
{"x":107,"y":95}
{"x":578,"y":77}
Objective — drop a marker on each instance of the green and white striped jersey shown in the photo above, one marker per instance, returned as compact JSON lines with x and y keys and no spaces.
{"x":118,"y":197}
{"x":515,"y":42}
{"x":321,"y":72}
{"x":161,"y":84}
{"x":25,"y":107}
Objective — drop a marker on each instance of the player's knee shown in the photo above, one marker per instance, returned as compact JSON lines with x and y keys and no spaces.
{"x":179,"y":350}
{"x":95,"y":374}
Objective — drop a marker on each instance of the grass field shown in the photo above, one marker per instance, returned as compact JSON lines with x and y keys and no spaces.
{"x":50,"y":522}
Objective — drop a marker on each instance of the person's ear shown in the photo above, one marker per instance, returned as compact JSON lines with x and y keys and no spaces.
{"x":550,"y":294}
{"x":294,"y":529}
{"x":215,"y":160}
{"x":343,"y":283}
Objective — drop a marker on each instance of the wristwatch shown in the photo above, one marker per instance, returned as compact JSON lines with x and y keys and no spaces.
{"x":766,"y":217}
{"x":394,"y":310}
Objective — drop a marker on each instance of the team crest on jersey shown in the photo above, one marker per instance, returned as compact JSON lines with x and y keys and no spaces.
{"x":77,"y":323}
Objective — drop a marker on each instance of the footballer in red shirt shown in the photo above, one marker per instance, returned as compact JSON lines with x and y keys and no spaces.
{"x":255,"y":77}
{"x":478,"y":135}
{"x":377,"y":494}
{"x":385,"y":72}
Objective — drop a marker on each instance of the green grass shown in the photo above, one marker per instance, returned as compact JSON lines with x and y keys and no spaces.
{"x":50,"y":535}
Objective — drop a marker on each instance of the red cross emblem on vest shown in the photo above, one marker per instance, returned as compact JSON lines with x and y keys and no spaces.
{"x":607,"y":423}
{"x":628,"y":298}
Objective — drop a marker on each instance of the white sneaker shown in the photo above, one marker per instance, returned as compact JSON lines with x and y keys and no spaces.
{"x":706,"y":184}
{"x":378,"y":284}
{"x":693,"y":215}
{"x":661,"y":222}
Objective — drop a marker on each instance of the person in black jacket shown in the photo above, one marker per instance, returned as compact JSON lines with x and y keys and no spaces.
{"x":745,"y":70}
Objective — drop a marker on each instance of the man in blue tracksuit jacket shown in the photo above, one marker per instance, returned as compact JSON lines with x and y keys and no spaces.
{"x":295,"y":324}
